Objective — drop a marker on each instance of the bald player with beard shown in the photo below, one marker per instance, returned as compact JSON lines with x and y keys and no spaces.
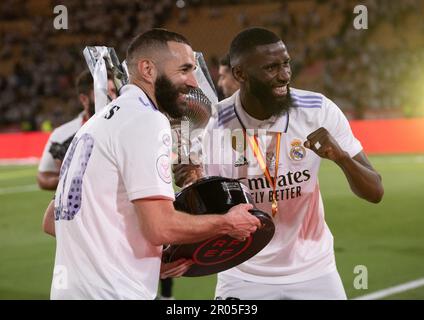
{"x":286,"y":133}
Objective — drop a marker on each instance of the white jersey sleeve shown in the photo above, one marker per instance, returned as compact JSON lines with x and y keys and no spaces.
{"x":143,"y":153}
{"x":47,"y":163}
{"x":59,"y":135}
{"x":336,"y":123}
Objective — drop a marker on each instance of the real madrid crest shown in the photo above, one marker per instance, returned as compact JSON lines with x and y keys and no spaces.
{"x":297,"y":150}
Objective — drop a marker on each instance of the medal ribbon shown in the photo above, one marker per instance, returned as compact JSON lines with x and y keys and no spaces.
{"x":253,"y":142}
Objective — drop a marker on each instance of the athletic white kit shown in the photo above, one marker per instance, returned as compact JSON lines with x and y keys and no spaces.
{"x":59,"y":135}
{"x":121,"y":154}
{"x":302,"y":247}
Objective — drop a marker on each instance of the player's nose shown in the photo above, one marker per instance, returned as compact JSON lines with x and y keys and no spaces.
{"x":284,"y":75}
{"x":191,"y":81}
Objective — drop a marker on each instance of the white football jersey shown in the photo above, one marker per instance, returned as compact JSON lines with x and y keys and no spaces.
{"x":121,"y":154}
{"x":59,"y":135}
{"x":302,"y":247}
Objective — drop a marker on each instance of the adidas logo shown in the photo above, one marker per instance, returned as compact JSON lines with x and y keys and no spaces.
{"x":242,"y":161}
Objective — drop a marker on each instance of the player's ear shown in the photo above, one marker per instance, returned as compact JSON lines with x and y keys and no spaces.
{"x":238,"y":73}
{"x":147,"y":70}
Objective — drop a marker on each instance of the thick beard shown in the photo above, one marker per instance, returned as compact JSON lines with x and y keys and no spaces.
{"x":275,"y":106}
{"x":167,"y":97}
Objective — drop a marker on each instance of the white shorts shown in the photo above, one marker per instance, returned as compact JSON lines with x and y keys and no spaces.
{"x":327,"y":287}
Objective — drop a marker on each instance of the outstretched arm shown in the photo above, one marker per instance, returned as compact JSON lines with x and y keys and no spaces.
{"x":162,"y":224}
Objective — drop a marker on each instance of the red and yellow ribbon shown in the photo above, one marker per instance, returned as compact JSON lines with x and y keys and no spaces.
{"x":253,"y":142}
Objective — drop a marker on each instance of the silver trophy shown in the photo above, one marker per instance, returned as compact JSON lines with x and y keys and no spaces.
{"x":188,"y":131}
{"x":199,"y":101}
{"x":102,"y":59}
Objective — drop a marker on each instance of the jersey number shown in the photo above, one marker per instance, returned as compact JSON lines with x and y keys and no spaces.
{"x":70,"y":202}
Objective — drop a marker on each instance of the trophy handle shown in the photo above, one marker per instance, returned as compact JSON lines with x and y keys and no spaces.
{"x":93,"y":54}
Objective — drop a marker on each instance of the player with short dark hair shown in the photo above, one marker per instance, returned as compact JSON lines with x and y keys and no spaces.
{"x":280,"y":168}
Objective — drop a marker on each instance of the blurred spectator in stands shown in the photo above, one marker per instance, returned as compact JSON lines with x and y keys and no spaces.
{"x":226,"y":82}
{"x":34,"y":56}
{"x":50,"y":162}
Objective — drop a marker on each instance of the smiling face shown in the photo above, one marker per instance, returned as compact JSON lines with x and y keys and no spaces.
{"x":175,"y":79}
{"x":265,"y":74}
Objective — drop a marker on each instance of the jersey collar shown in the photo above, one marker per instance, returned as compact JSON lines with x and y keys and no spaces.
{"x":131,"y":90}
{"x":273,"y":124}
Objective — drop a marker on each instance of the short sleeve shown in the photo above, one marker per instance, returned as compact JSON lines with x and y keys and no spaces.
{"x":338,"y":126}
{"x":143,"y":153}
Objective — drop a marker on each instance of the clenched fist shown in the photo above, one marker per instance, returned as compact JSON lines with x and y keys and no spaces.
{"x":323,"y":144}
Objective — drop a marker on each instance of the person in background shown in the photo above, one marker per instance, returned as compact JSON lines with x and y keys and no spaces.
{"x":60,"y":138}
{"x":226,"y":81}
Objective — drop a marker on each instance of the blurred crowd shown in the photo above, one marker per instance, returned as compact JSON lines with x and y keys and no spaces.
{"x":38,"y":90}
{"x":363,"y":76}
{"x":355,"y":72}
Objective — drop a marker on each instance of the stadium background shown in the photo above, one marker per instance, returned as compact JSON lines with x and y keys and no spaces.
{"x":374,"y":75}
